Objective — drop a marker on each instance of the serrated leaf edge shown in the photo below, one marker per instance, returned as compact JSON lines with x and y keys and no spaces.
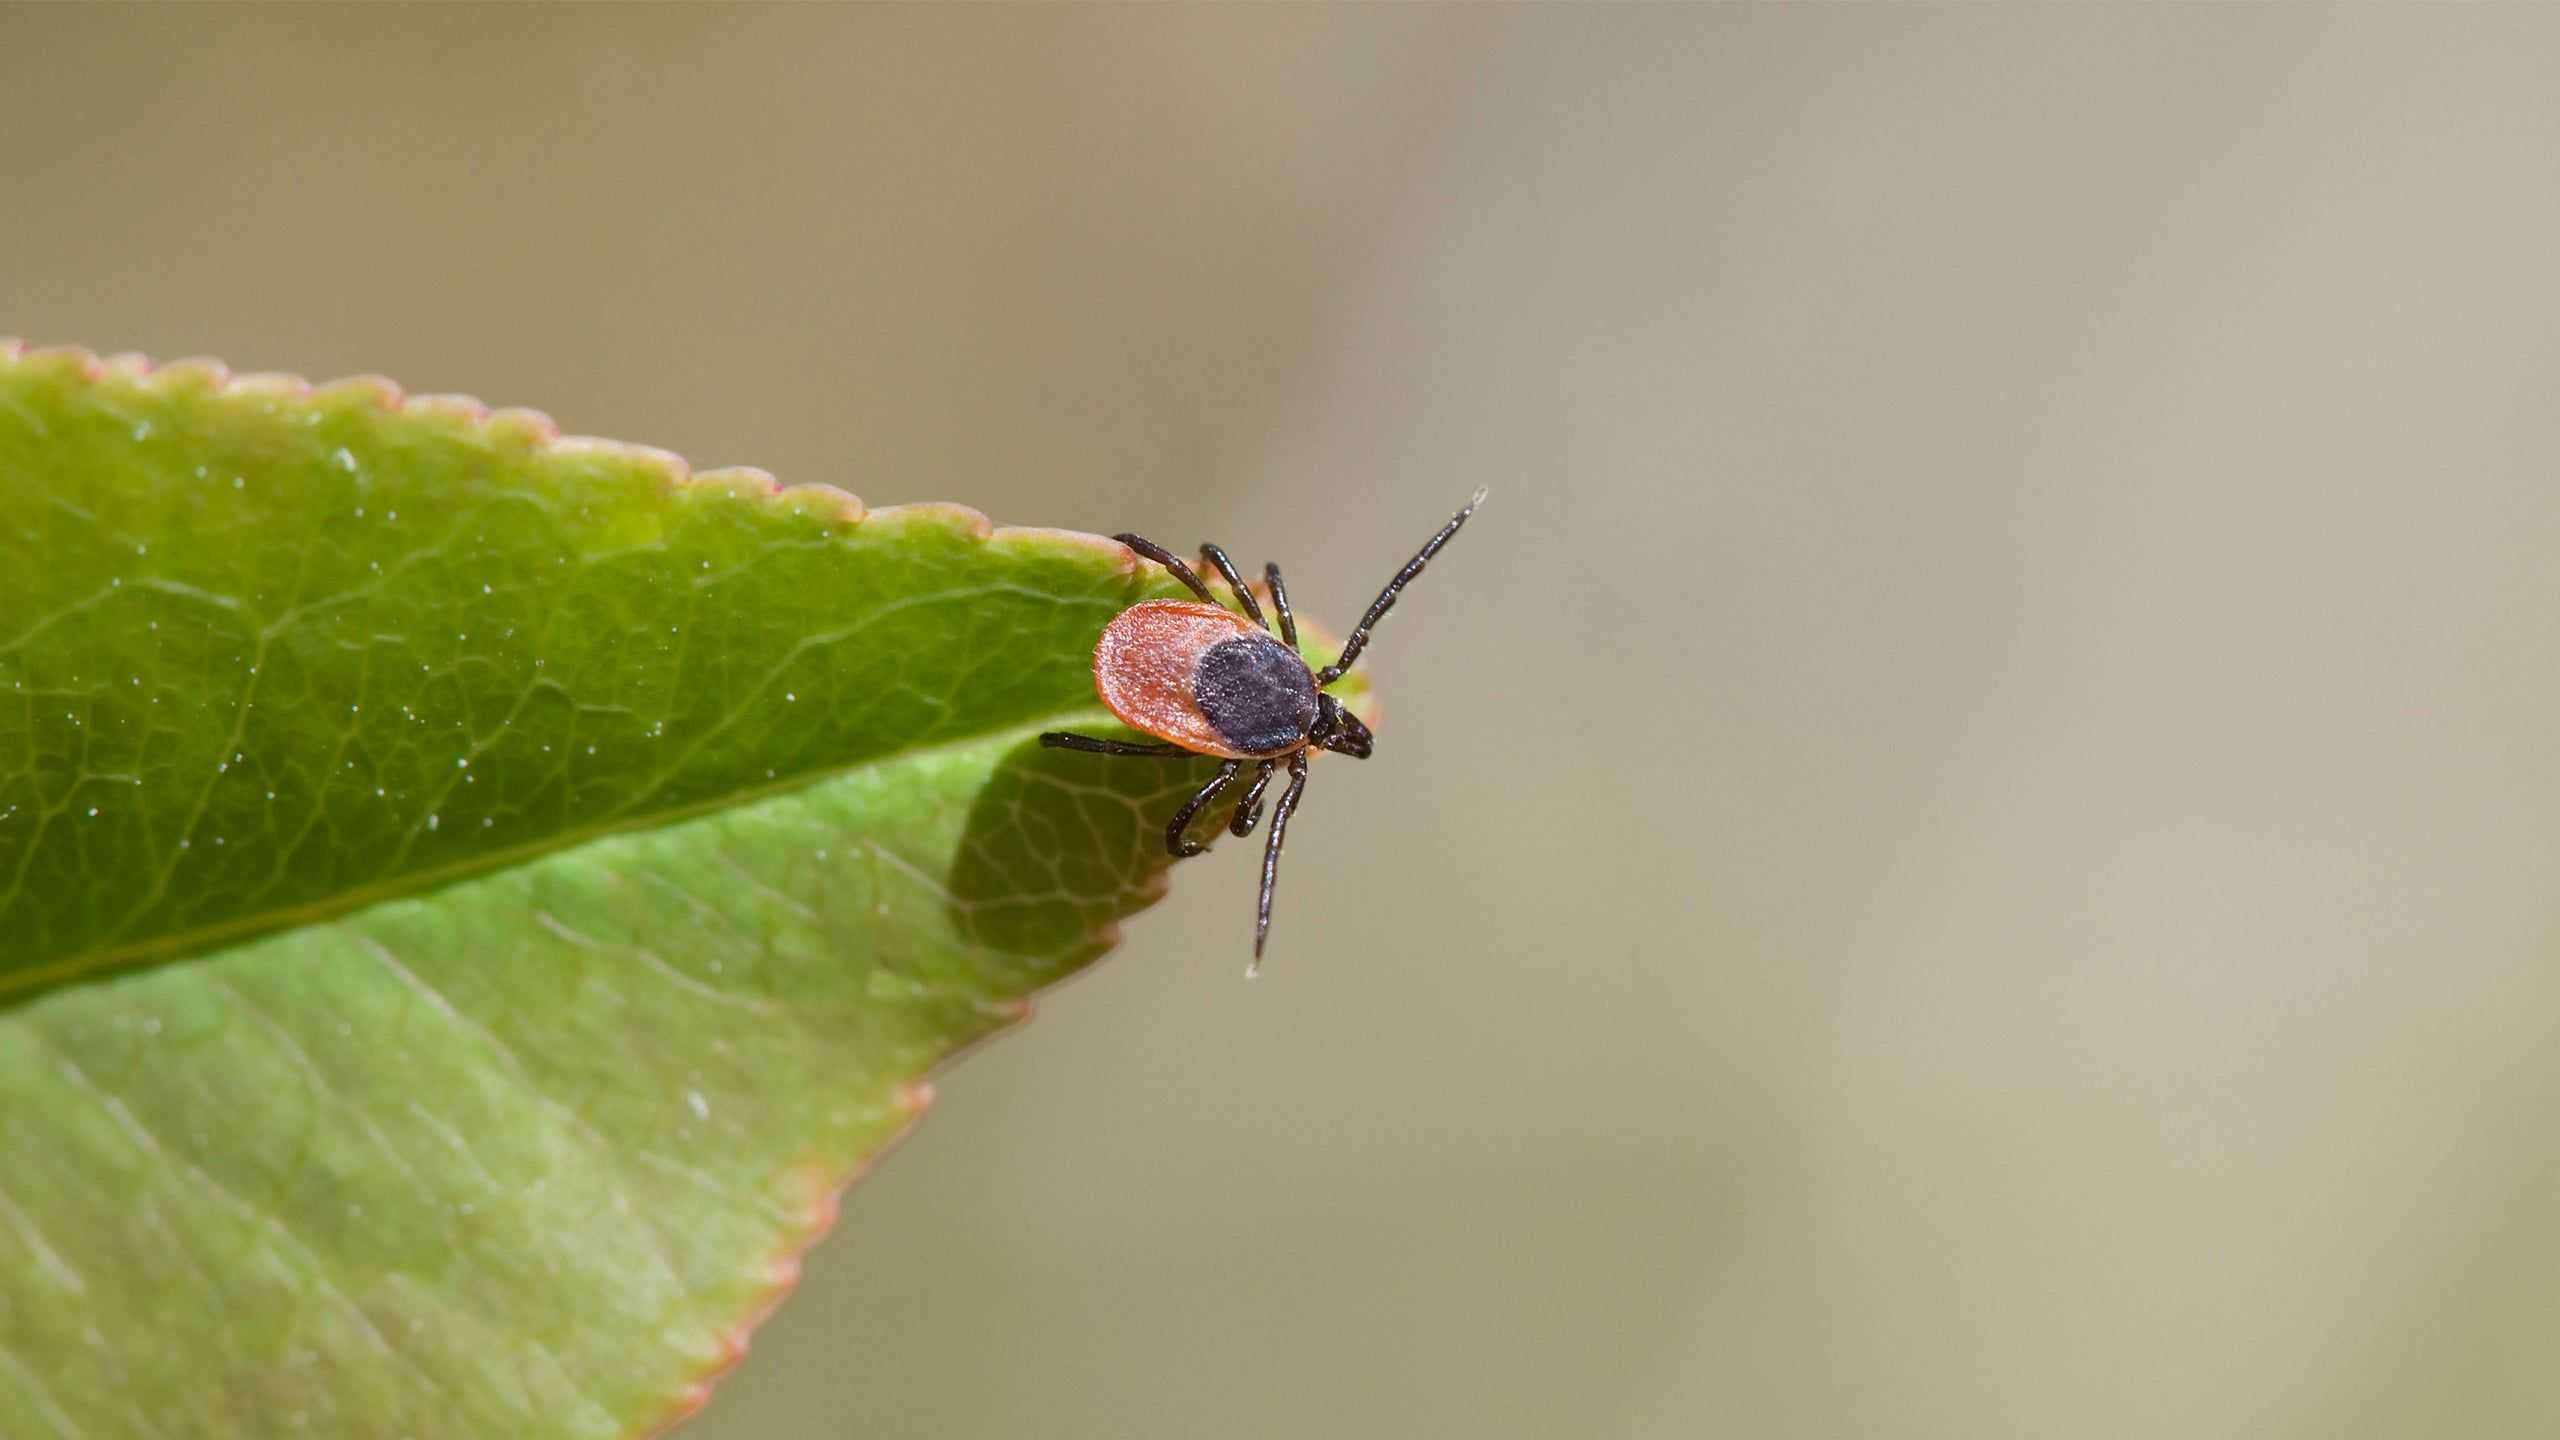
{"x":537,"y":433}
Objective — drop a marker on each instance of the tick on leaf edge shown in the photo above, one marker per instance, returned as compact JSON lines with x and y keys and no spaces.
{"x":1205,"y":680}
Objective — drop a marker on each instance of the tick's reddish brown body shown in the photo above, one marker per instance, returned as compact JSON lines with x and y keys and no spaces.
{"x":1146,"y":670}
{"x":1204,"y":680}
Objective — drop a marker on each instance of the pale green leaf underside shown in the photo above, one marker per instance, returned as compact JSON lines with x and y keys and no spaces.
{"x":492,"y":1098}
{"x":266,"y":652}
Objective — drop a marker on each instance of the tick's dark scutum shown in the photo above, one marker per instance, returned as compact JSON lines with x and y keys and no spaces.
{"x":1257,"y":692}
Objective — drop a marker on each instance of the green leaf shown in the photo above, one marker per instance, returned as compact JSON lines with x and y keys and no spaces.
{"x":575,"y":866}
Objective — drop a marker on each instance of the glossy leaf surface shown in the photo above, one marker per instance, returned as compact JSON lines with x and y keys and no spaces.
{"x":469,"y":899}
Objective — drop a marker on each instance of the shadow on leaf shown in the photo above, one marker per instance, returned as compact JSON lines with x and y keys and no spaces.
{"x":1062,"y":845}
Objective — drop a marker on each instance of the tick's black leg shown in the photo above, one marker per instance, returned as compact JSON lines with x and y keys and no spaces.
{"x":1378,"y":608}
{"x":1227,"y":571}
{"x":1271,"y":851}
{"x":1174,"y":840}
{"x":1280,"y":604}
{"x":1249,"y":809}
{"x":1172,"y":564}
{"x":1060,"y":740}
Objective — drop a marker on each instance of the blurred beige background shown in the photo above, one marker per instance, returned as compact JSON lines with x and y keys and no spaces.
{"x":1966,"y":848}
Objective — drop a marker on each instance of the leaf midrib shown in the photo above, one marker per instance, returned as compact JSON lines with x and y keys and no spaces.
{"x":177,"y":943}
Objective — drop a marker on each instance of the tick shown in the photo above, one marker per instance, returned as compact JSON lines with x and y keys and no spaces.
{"x":1205,"y":680}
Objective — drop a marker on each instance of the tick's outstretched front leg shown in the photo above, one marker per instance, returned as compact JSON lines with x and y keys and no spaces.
{"x":1359,"y":636}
